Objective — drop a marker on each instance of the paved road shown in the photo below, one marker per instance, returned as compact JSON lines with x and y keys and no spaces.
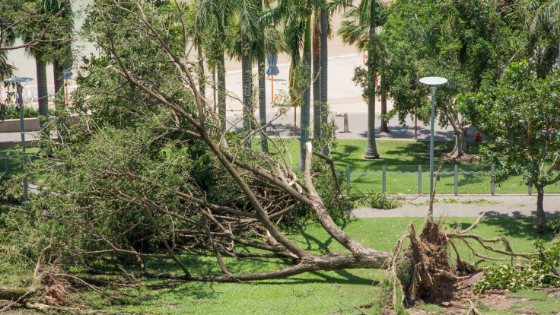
{"x":468,"y":206}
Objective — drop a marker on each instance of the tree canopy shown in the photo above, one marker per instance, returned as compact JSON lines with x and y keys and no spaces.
{"x":521,"y":120}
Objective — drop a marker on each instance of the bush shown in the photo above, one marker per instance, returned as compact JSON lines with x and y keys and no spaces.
{"x":12,"y":112}
{"x":375,"y":200}
{"x":553,"y":225}
{"x":539,"y":271}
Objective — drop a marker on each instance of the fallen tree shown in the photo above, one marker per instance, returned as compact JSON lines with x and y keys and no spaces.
{"x":149,"y":175}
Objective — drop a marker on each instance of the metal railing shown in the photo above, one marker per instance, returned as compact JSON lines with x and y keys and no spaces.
{"x":455,"y":172}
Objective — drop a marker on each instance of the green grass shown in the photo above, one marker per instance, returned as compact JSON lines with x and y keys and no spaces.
{"x":406,"y":156}
{"x":310,"y":293}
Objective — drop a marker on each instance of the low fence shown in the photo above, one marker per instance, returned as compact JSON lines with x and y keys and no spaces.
{"x":29,"y":162}
{"x":475,"y":179}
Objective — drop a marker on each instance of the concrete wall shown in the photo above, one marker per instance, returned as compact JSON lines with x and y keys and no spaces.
{"x":30,"y":124}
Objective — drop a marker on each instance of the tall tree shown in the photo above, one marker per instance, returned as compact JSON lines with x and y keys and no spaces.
{"x":520,"y":120}
{"x":316,"y":56}
{"x":371,"y":147}
{"x":219,"y":13}
{"x":355,"y":31}
{"x":305,"y":106}
{"x":542,"y":22}
{"x":324,"y":71}
{"x":261,"y":60}
{"x":250,"y":32}
{"x":466,"y":42}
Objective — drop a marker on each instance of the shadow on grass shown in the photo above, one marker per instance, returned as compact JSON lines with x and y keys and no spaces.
{"x":519,"y":227}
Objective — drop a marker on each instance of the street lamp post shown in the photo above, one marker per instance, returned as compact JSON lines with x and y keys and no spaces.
{"x":18,"y":82}
{"x":433,"y":82}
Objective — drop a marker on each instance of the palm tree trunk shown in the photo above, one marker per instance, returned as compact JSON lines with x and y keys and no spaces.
{"x":222,"y":90}
{"x":262,"y":94}
{"x":247,"y":88}
{"x":316,"y":82}
{"x":324,"y":77}
{"x":58,"y":72}
{"x":201,"y":78}
{"x":371,"y":148}
{"x":42,"y":91}
{"x":305,"y":106}
{"x":384,"y":125}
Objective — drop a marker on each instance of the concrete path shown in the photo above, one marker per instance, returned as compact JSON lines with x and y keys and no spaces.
{"x":468,"y":206}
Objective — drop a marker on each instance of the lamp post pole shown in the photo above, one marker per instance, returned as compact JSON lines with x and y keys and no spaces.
{"x":433,"y":88}
{"x":432,"y":82}
{"x":18,"y":82}
{"x":20,"y":89}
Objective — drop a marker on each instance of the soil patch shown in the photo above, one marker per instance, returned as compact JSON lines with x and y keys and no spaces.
{"x":498,"y":299}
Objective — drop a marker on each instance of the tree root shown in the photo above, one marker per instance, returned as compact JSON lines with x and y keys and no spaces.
{"x":424,"y":272}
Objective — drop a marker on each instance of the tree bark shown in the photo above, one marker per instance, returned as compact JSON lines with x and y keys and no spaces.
{"x":541,"y":219}
{"x":371,"y":147}
{"x":384,"y":124}
{"x":42,"y":91}
{"x":13,"y":294}
{"x":262,"y":94}
{"x":324,"y":73}
{"x":58,"y":72}
{"x":201,"y":78}
{"x":460,"y":147}
{"x":305,"y":106}
{"x":316,"y":82}
{"x":247,"y":88}
{"x":222,"y":90}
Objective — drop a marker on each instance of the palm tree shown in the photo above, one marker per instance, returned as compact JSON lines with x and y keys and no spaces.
{"x":371,"y":147}
{"x":317,"y":79}
{"x":219,"y":13}
{"x":305,"y":106}
{"x":262,"y":88}
{"x":46,"y":53}
{"x":324,"y":68}
{"x":544,"y":14}
{"x":297,"y":31}
{"x":355,"y":31}
{"x":250,"y":31}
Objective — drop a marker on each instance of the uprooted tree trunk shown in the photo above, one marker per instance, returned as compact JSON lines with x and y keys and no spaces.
{"x":424,"y":271}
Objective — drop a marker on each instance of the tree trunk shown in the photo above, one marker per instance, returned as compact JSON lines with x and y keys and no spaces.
{"x":460,"y":147}
{"x":305,"y":106}
{"x":541,"y":219}
{"x":324,"y":73}
{"x":316,"y":82}
{"x":222,"y":90}
{"x":201,"y":78}
{"x":247,"y":88}
{"x":371,"y":147}
{"x":262,"y":93}
{"x":13,"y":294}
{"x":58,"y":72}
{"x":42,"y":91}
{"x":384,"y":125}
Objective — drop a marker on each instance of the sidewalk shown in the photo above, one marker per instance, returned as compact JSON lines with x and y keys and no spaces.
{"x":518,"y":206}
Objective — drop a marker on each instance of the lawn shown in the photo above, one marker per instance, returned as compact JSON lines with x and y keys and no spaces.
{"x":406,"y":156}
{"x":310,"y":293}
{"x":397,"y":156}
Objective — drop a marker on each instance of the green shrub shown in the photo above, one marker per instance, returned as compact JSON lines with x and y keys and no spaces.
{"x":542,"y":270}
{"x":375,"y":200}
{"x":553,"y":225}
{"x":12,"y":112}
